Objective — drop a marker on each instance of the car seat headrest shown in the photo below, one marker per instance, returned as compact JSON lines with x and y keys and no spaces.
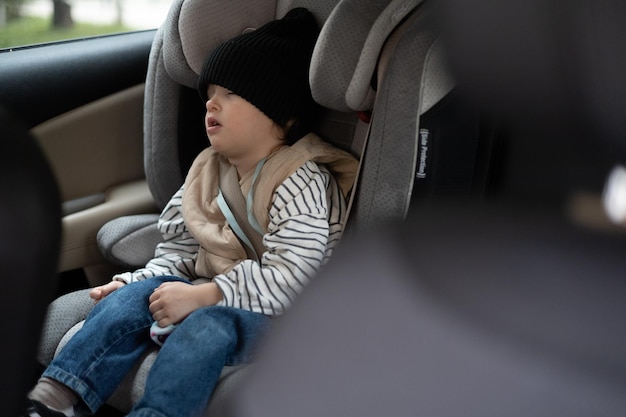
{"x":355,"y":32}
{"x":188,"y":37}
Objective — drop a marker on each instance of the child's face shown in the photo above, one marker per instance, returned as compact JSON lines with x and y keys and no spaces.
{"x":236,"y":128}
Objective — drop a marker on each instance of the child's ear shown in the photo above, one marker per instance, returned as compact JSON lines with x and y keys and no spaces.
{"x":288,"y":126}
{"x":279,"y":132}
{"x":282,"y":133}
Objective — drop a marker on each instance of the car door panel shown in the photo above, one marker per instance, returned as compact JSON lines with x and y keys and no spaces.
{"x":96,"y":152}
{"x":97,"y":145}
{"x":83,"y":101}
{"x":79,"y":248}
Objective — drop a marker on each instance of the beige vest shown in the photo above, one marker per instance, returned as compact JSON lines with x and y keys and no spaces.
{"x":220,"y":249}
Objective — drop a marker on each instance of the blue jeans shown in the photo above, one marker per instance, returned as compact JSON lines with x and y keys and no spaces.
{"x":187,"y":367}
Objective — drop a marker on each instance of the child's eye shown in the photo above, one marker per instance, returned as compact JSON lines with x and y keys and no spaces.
{"x":230,"y":93}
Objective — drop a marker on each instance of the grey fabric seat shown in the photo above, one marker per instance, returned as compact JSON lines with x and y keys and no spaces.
{"x":347,"y":77}
{"x":424,"y":141}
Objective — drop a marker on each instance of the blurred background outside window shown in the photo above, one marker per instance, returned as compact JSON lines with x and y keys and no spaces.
{"x":29,"y":22}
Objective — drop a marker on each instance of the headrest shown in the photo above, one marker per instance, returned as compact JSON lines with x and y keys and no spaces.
{"x":193,"y":28}
{"x":355,"y":31}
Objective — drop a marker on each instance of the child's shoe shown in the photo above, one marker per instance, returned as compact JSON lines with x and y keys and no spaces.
{"x":37,"y":409}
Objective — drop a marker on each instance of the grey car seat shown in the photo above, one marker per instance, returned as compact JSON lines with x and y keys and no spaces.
{"x":173,"y":110}
{"x":424,"y":141}
{"x":346,"y":76}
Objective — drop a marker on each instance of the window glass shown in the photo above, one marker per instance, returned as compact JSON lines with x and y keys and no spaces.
{"x":28,"y":22}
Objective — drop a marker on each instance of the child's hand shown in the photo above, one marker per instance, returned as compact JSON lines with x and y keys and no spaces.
{"x":173,"y":301}
{"x":98,"y":293}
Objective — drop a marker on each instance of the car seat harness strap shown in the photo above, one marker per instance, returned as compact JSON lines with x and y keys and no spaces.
{"x":238,"y":210}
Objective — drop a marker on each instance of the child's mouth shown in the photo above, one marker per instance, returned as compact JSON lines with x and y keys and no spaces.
{"x":212,"y":125}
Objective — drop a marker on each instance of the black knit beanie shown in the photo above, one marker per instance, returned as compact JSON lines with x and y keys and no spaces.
{"x":269,"y":67}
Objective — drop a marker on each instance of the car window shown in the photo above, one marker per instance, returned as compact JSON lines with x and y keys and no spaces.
{"x":29,"y":22}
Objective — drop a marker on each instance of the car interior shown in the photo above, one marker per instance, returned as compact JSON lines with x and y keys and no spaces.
{"x":170,"y":94}
{"x":472,"y":168}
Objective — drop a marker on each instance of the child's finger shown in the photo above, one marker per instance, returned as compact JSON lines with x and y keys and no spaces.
{"x":95,"y":293}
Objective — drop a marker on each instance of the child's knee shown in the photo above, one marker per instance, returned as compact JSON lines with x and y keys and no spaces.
{"x":209,"y":323}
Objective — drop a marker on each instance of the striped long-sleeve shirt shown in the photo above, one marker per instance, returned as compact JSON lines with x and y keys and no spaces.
{"x":306,"y":222}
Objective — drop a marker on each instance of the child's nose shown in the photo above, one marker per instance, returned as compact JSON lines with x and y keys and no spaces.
{"x":212,"y":104}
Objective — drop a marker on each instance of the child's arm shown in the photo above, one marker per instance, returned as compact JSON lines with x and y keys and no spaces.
{"x":176,"y":255}
{"x":302,"y":230}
